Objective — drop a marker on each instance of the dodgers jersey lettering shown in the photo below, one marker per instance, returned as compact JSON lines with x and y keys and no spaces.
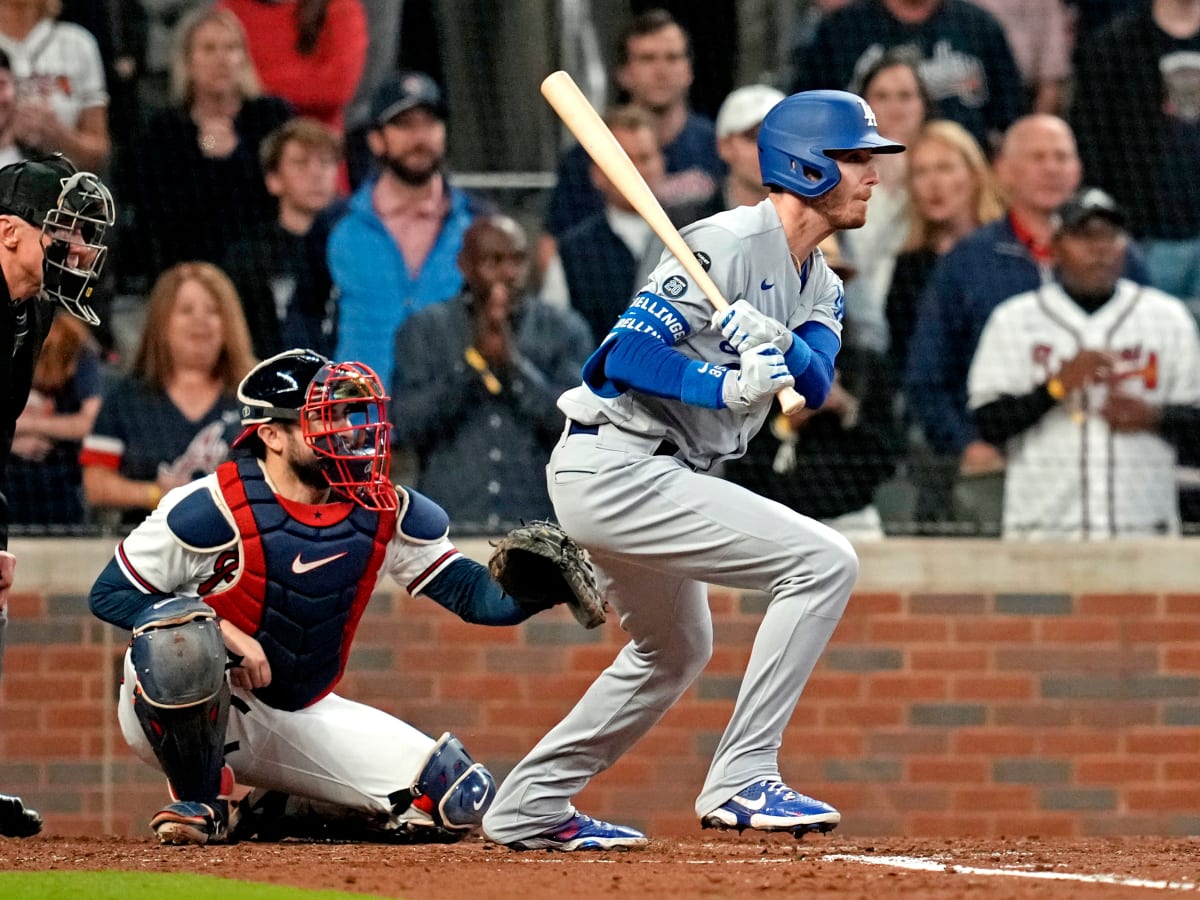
{"x":674,"y":309}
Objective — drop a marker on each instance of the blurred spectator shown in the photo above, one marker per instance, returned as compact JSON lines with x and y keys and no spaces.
{"x":144,"y":45}
{"x":1089,"y":16}
{"x":1039,"y":35}
{"x":737,"y":143}
{"x":309,"y":52}
{"x":281,"y":273}
{"x":383,"y":47}
{"x":1091,"y":384}
{"x":598,"y":258}
{"x":62,"y":102}
{"x":394,"y":251}
{"x":9,"y":151}
{"x":654,"y":70}
{"x":893,"y":89}
{"x":476,"y":383}
{"x":1037,"y":169}
{"x":1137,"y":113}
{"x":195,"y":179}
{"x":952,"y":193}
{"x":829,"y":461}
{"x":966,"y":62}
{"x":173,"y":417}
{"x":44,"y":482}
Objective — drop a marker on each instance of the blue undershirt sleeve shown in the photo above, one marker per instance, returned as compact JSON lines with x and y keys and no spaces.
{"x":467,"y":589}
{"x":644,"y":363}
{"x":815,"y":379}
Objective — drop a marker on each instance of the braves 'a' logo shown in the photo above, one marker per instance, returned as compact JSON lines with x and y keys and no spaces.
{"x":223,"y":570}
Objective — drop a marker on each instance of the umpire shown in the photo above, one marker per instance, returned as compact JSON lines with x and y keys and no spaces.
{"x":53,"y":224}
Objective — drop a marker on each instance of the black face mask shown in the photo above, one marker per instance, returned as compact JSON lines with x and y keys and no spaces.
{"x":80,"y":221}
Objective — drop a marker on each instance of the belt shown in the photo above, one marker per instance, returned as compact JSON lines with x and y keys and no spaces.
{"x":664,"y":448}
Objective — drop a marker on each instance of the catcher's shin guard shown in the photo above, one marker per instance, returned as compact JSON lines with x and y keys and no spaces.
{"x":452,"y":787}
{"x":181,"y":696}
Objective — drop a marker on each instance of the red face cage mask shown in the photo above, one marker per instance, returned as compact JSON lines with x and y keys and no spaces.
{"x":344,"y":421}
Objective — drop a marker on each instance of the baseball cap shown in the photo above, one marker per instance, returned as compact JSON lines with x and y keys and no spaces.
{"x":746,"y":107}
{"x":1083,"y":206}
{"x":31,"y":188}
{"x":403,"y":91}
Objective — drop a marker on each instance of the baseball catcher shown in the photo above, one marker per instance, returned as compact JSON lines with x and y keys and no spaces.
{"x":243,"y":591}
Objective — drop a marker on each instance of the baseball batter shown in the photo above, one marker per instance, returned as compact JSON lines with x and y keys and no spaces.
{"x":270,"y":562}
{"x":672,"y":390}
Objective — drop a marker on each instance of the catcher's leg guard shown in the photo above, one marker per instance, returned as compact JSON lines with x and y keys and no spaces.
{"x":181,"y":695}
{"x":454,"y":789}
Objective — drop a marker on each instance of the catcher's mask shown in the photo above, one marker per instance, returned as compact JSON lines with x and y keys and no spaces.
{"x":344,"y":421}
{"x":74,"y":210}
{"x":77,"y":227}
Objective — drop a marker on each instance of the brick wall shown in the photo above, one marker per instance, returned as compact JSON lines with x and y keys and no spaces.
{"x":973,"y":688}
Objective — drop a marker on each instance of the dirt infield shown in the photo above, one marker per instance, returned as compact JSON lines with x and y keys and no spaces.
{"x":720,"y":865}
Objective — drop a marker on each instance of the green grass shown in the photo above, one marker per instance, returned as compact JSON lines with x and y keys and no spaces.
{"x":148,"y":886}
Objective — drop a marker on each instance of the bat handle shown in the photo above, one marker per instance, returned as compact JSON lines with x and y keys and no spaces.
{"x":790,"y":401}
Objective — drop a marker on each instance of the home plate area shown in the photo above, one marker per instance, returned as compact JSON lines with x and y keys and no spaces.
{"x":675,"y":867}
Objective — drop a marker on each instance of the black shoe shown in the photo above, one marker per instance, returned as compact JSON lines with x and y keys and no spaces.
{"x":16,"y":820}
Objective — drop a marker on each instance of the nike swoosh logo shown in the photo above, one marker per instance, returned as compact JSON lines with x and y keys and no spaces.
{"x":478,"y":806}
{"x":300,"y":567}
{"x":766,"y":285}
{"x":753,"y":804}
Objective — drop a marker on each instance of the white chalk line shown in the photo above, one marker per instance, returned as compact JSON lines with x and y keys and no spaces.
{"x":919,"y":864}
{"x":912,"y":863}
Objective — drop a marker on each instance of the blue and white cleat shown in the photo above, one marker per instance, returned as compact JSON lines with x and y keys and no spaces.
{"x":773,"y":806}
{"x":582,"y":832}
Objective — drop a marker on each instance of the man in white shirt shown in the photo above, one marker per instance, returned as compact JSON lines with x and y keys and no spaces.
{"x":1091,"y":383}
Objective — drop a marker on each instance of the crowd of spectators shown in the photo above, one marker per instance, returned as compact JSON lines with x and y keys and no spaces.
{"x":283,"y":181}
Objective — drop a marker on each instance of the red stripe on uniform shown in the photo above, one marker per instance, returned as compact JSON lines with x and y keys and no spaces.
{"x":424,"y":576}
{"x":146,"y":586}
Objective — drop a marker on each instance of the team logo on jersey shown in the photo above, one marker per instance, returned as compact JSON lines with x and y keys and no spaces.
{"x":675,"y":286}
{"x":224,"y":569}
{"x":868,"y":113}
{"x":839,"y":304}
{"x":703,"y":258}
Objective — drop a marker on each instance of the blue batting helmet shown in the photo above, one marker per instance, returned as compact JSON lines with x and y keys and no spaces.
{"x":799,"y":132}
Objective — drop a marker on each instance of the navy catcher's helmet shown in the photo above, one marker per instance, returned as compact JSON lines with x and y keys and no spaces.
{"x":277,"y":388}
{"x":799,"y":132}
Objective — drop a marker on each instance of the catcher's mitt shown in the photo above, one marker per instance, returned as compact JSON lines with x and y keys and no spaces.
{"x":540,"y":566}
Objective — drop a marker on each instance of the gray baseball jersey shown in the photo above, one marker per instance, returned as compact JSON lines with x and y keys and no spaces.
{"x":659,"y":532}
{"x":746,"y":253}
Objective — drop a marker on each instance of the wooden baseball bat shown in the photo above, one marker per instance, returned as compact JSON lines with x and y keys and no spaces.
{"x":581,"y":118}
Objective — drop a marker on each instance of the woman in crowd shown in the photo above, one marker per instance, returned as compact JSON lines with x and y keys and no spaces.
{"x":310,"y":52}
{"x":196,"y":179}
{"x":953,"y":193}
{"x":174,"y":416}
{"x":62,"y":101}
{"x":894,"y":91}
{"x":43,"y":479}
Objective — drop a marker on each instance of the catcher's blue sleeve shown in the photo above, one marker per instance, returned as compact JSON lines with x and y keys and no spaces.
{"x":468,"y":590}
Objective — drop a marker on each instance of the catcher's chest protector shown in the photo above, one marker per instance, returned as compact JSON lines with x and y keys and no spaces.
{"x":303,"y":585}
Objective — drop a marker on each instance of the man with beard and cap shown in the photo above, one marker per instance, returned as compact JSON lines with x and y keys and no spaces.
{"x":394,"y":251}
